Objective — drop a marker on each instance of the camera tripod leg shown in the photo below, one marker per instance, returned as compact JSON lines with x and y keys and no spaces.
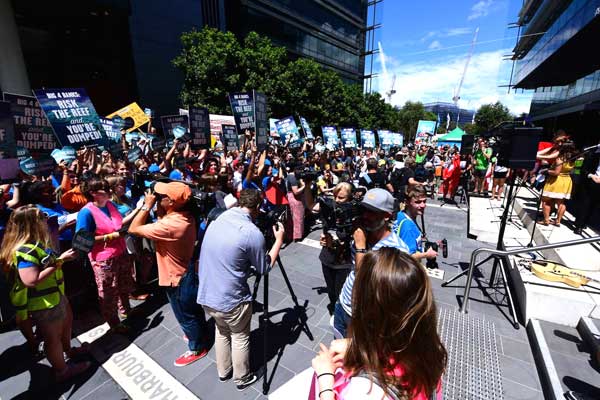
{"x":463,"y":273}
{"x":302,"y":317}
{"x":511,"y":304}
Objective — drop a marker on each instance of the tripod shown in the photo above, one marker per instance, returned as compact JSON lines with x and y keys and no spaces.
{"x":264,"y":318}
{"x":510,"y":204}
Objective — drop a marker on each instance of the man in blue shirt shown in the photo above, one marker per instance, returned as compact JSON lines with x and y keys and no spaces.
{"x":232,"y":244}
{"x":406,"y":228}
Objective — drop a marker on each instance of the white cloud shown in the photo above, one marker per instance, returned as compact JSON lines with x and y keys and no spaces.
{"x":436,"y":79}
{"x":445,"y":33}
{"x":435,"y":45}
{"x":458,"y":31}
{"x":481,"y":9}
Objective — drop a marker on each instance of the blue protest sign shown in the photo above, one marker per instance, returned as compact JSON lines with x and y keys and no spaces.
{"x":22,"y":153}
{"x":72,"y":116}
{"x":112,"y":128}
{"x":348,"y":138}
{"x":306,"y":128}
{"x":157,"y":143}
{"x":40,"y":167}
{"x":134,"y":154}
{"x":178,"y":132}
{"x":397,"y":139}
{"x":288,"y":132}
{"x":367,"y":139}
{"x":330,"y":137}
{"x":386,"y":139}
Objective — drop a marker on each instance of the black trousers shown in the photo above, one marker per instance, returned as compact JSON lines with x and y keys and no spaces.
{"x":334,"y":279}
{"x":586,"y":204}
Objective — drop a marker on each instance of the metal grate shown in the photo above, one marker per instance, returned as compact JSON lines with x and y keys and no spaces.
{"x":473,"y":370}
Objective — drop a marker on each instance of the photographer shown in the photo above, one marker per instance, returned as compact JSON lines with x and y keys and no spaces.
{"x":335,"y":263}
{"x":406,"y":228}
{"x":373,"y":233}
{"x":231,"y":245}
{"x":173,"y":235}
{"x":374,"y":178}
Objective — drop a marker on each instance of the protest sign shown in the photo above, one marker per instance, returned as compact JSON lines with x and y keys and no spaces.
{"x":243,"y":110}
{"x":288,"y":132}
{"x":386,"y":140}
{"x":67,"y":154}
{"x":22,"y":153}
{"x":72,"y":116}
{"x":157,"y":143}
{"x":397,"y":139}
{"x":199,"y":128}
{"x":367,"y":139}
{"x":148,"y":112}
{"x":8,"y":148}
{"x":260,"y":120}
{"x":134,"y":154}
{"x":216,"y":126}
{"x":330,"y":137}
{"x":425,"y":130}
{"x":38,"y":167}
{"x":230,"y":138}
{"x":273,"y":128}
{"x":306,"y":128}
{"x":134,"y":113}
{"x":348,"y":138}
{"x":111,"y":128}
{"x":32,"y":128}
{"x":83,"y":241}
{"x":183,"y":111}
{"x":174,"y":125}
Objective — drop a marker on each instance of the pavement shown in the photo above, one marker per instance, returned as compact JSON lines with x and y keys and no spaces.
{"x":156,"y":339}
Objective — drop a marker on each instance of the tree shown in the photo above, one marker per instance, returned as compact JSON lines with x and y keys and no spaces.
{"x":409,"y":117}
{"x":470,"y":129}
{"x":490,"y":115}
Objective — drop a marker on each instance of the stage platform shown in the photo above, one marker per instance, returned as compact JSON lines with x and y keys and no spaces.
{"x":537,"y":298}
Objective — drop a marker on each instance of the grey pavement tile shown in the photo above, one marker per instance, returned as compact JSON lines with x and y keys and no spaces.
{"x":206,"y":385}
{"x":519,"y":371}
{"x":297,"y":358}
{"x":516,"y":349}
{"x":576,"y":373}
{"x":108,"y":390}
{"x":277,"y":375}
{"x":515,"y":391}
{"x":151,"y":339}
{"x":564,"y":339}
{"x":89,"y":382}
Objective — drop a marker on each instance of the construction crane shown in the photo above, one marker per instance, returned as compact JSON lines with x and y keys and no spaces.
{"x":391,"y":91}
{"x":456,"y":96}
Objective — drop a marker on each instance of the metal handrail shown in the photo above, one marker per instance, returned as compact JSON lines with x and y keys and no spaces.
{"x":476,"y":252}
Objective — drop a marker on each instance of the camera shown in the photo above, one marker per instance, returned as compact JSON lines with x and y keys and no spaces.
{"x":443,"y":245}
{"x":267,"y":219}
{"x":339,"y":217}
{"x":306,"y":174}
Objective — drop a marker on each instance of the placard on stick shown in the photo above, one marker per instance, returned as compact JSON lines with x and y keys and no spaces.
{"x":199,"y":128}
{"x":230,"y":138}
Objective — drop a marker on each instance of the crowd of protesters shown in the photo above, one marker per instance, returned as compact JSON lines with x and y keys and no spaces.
{"x":137,"y":224}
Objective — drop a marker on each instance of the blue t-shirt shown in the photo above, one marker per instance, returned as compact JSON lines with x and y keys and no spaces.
{"x":246,"y":184}
{"x":409,"y":232}
{"x":58,"y":211}
{"x":85,"y":219}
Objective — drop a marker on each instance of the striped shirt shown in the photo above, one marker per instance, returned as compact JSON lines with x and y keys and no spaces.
{"x":390,"y":240}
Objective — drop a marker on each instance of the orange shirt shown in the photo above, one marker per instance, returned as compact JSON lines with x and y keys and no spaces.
{"x":174,"y":236}
{"x":73,"y":200}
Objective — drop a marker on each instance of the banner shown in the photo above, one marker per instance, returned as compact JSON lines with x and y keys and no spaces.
{"x":243,"y":110}
{"x":386,"y":139}
{"x":199,"y":128}
{"x":32,"y":128}
{"x":230,"y":138}
{"x":175,"y":126}
{"x":132,"y":111}
{"x":306,"y":128}
{"x":330,"y":137}
{"x":288,"y":132}
{"x":261,"y":121}
{"x":367,"y":139}
{"x":8,"y":147}
{"x":397,"y":139}
{"x":72,"y":116}
{"x":425,"y":130}
{"x":348,"y":138}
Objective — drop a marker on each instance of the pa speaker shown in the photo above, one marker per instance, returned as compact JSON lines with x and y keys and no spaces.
{"x":466,"y":144}
{"x":517,"y":147}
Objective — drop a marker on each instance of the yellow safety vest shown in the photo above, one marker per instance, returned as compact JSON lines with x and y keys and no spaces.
{"x":44,"y":295}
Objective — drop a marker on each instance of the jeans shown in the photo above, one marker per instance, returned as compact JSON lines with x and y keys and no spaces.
{"x":334,"y":279}
{"x":341,"y":319}
{"x":189,"y":314}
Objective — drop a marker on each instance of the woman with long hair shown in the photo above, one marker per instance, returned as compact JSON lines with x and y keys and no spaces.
{"x":558,"y":184}
{"x":393,"y":350}
{"x":37,"y":292}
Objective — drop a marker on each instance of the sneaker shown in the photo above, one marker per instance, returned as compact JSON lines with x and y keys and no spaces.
{"x":72,"y":370}
{"x":226,"y":377}
{"x":245,"y":383}
{"x":189,"y":357}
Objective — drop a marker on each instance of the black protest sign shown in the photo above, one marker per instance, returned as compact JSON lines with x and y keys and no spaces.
{"x":22,"y":153}
{"x":230,"y":138}
{"x":243,"y":110}
{"x":32,"y":128}
{"x":134,"y":154}
{"x":38,"y":167}
{"x":199,"y":128}
{"x":174,"y":125}
{"x":261,"y":121}
{"x":8,"y":147}
{"x":157,"y":143}
{"x":72,"y":116}
{"x":83,"y":241}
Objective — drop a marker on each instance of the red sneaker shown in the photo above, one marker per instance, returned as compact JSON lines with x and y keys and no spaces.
{"x":189,"y":357}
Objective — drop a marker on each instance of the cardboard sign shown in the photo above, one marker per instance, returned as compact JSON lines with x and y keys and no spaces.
{"x":32,"y":128}
{"x":174,"y":125}
{"x":216,"y":126}
{"x":288,"y":132}
{"x":83,"y":241}
{"x":330,"y":137}
{"x":425,"y":130}
{"x":348,"y":138}
{"x":386,"y":139}
{"x":199,"y":128}
{"x":230,"y":138}
{"x":243,"y":110}
{"x":261,"y":121}
{"x":72,"y":116}
{"x":134,"y":113}
{"x":306,"y":128}
{"x":367,"y":139}
{"x":8,"y":147}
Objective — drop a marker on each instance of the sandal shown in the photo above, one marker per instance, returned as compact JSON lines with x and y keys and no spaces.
{"x":82,"y":350}
{"x":555,"y":223}
{"x":542,"y":222}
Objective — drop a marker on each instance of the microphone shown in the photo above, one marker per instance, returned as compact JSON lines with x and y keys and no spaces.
{"x":592,"y":147}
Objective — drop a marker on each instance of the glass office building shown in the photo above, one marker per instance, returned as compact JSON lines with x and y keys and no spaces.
{"x":445,"y":110}
{"x":556,"y":57}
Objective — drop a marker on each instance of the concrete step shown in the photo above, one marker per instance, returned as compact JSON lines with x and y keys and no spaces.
{"x":589,"y":330}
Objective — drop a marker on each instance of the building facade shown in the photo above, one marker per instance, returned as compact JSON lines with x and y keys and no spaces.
{"x":460,"y":116}
{"x":555,"y":57}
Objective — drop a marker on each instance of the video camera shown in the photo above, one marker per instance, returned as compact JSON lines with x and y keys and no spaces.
{"x":306,"y":174}
{"x":266,"y":220}
{"x":200,"y":204}
{"x":339,"y":217}
{"x":443,"y":244}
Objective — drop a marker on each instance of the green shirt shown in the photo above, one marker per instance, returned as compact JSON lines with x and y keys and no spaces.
{"x":481,"y":161}
{"x":419,"y":159}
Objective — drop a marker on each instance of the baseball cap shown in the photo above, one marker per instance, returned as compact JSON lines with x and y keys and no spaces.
{"x":378,"y":200}
{"x":178,"y":192}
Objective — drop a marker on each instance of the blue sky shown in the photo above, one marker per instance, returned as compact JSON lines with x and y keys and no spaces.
{"x":426,"y":44}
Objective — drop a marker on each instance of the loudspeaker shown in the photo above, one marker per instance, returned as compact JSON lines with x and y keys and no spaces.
{"x":466,"y":144}
{"x":517,"y":147}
